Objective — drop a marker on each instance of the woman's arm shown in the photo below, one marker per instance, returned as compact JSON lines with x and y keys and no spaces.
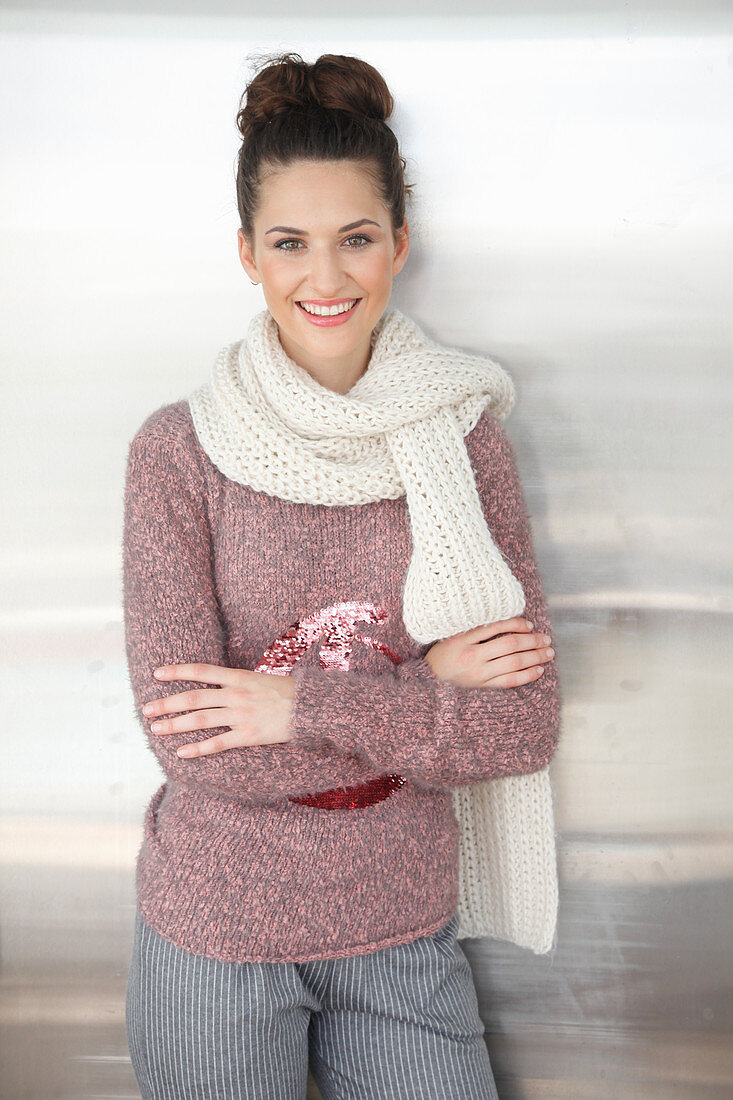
{"x":172,"y":616}
{"x":429,"y":730}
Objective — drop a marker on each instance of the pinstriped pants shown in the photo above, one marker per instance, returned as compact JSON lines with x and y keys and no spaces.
{"x":397,"y":1024}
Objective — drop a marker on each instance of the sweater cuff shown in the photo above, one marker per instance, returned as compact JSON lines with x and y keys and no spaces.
{"x":415,"y":668}
{"x":350,"y":709}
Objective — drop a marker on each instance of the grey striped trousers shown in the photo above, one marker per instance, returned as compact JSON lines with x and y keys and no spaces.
{"x":397,"y":1024}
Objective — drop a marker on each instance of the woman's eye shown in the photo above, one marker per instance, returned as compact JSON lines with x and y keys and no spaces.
{"x":360,"y":237}
{"x":361,"y":240}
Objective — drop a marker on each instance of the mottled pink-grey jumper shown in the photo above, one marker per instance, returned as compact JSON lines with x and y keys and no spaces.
{"x":231,"y":865}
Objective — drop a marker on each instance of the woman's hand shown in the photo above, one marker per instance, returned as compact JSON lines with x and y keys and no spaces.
{"x":256,"y":705}
{"x":498,"y":655}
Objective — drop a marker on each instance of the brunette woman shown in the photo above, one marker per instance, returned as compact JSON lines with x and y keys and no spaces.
{"x":339,"y":651}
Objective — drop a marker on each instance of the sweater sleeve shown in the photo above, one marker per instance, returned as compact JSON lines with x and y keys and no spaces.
{"x":172,"y":616}
{"x":431,"y":731}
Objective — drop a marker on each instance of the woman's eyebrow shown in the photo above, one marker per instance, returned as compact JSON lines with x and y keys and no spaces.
{"x":302,"y":232}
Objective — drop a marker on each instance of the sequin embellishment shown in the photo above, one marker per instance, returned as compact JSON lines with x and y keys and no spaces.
{"x":335,"y":628}
{"x":353,"y":798}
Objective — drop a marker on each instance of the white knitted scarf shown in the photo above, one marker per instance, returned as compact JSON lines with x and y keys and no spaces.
{"x":265,"y":422}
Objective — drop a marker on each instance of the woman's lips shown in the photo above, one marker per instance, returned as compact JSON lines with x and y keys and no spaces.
{"x":328,"y":322}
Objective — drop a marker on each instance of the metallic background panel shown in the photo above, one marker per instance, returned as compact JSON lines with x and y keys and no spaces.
{"x":573,"y":218}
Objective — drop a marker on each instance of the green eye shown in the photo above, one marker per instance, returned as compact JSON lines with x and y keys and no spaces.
{"x":361,"y":240}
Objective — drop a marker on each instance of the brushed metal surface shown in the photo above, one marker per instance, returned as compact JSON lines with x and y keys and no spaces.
{"x":573,"y":218}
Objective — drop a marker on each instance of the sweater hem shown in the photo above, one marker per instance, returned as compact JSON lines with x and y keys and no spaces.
{"x":343,"y":953}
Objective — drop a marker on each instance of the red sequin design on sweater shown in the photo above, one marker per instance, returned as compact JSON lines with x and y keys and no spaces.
{"x":335,"y":628}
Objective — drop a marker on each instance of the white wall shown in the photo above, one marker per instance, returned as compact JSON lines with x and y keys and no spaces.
{"x":573,"y":218}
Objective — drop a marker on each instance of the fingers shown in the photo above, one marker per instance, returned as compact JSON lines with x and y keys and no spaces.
{"x":519,"y":660}
{"x":518,"y":668}
{"x":516,"y":679}
{"x":516,"y":643}
{"x":195,"y":699}
{"x":232,"y":739}
{"x":198,"y":720}
{"x":219,"y":743}
{"x":206,"y":674}
{"x":503,"y":626}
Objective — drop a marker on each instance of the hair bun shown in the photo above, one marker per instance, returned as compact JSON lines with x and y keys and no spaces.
{"x":334,"y":82}
{"x":335,"y":109}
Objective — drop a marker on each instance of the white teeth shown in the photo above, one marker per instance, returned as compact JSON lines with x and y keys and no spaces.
{"x":327,"y":311}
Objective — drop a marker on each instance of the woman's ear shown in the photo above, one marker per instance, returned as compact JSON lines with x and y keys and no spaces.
{"x":246,"y":256}
{"x":402,"y":248}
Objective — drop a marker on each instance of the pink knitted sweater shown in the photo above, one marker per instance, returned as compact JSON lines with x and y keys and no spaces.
{"x":231,"y":865}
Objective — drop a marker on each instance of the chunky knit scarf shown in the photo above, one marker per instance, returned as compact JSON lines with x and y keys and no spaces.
{"x":399,"y":431}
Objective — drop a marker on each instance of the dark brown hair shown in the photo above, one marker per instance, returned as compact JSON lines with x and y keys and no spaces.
{"x":333,"y":109}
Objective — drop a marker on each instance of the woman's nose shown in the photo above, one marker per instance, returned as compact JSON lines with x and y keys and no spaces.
{"x":326,"y":274}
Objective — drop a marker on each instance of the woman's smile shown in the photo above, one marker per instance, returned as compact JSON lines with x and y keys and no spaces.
{"x":324,"y":275}
{"x":326,"y":314}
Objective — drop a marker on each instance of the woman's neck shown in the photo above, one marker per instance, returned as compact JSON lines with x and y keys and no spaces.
{"x":337,"y":375}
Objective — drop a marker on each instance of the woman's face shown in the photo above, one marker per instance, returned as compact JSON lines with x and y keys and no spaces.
{"x":323,"y":236}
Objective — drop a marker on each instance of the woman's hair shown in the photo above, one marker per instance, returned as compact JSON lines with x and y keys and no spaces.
{"x":333,"y":109}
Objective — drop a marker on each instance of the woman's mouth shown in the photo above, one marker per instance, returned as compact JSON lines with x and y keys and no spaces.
{"x":325,"y":315}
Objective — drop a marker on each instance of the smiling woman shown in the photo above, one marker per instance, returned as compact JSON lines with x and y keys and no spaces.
{"x":334,"y":619}
{"x":317,"y":154}
{"x":323,"y":276}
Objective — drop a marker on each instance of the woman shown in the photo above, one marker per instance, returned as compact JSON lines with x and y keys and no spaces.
{"x":326,"y":557}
